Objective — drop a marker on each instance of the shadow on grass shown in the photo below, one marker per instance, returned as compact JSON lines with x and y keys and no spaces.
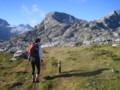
{"x":77,"y":73}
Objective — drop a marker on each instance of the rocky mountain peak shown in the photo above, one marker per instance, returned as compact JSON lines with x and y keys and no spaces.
{"x":117,"y":12}
{"x":60,"y":17}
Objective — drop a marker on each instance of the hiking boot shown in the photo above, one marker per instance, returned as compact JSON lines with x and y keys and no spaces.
{"x":33,"y":79}
{"x":37,"y":78}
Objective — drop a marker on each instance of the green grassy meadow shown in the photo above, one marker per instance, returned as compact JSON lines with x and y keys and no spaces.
{"x":93,"y":67}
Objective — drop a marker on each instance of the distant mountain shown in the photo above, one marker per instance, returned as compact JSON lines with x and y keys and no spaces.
{"x":7,"y":31}
{"x":61,"y":29}
{"x":21,"y":28}
{"x":3,"y":23}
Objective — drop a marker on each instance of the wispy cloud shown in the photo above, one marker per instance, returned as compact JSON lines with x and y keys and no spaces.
{"x":37,"y":10}
{"x":33,"y":13}
{"x":25,"y":9}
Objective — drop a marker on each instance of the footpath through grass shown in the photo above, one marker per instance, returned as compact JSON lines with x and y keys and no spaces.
{"x":94,"y":67}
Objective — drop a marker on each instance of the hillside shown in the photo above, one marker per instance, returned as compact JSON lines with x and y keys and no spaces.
{"x":93,"y":67}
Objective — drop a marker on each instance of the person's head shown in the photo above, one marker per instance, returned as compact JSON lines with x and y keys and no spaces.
{"x":37,"y":40}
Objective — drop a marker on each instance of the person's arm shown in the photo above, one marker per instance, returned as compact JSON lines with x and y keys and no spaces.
{"x":40,"y":53}
{"x":28,"y":57}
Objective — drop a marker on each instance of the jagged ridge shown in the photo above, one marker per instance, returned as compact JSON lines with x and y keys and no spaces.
{"x":60,"y":29}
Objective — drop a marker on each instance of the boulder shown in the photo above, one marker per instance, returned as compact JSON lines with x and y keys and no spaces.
{"x":21,"y":54}
{"x":115,"y":45}
{"x":1,"y":50}
{"x":18,"y":53}
{"x":13,"y":59}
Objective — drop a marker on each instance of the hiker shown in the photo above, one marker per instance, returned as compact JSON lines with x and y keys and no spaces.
{"x":35,"y":57}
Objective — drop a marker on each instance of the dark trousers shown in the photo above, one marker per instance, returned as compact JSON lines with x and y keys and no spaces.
{"x":36,"y":64}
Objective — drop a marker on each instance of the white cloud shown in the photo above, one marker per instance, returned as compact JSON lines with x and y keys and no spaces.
{"x":37,"y":10}
{"x":25,"y":9}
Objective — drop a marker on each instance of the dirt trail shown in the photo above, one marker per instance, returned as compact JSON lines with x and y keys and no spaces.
{"x":34,"y":86}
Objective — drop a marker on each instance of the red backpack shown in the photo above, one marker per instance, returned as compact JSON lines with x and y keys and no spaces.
{"x":32,"y":50}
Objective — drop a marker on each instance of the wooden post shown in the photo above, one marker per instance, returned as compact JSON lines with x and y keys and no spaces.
{"x":59,"y":67}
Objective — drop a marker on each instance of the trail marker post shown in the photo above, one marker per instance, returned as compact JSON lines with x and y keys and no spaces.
{"x":59,"y":66}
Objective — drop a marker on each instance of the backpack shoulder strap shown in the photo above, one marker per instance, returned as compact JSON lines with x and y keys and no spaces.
{"x":37,"y":46}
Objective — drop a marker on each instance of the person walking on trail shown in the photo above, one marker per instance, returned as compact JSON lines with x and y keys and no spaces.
{"x":35,"y":57}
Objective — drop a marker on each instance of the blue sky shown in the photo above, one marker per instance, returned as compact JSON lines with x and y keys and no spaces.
{"x":33,"y":11}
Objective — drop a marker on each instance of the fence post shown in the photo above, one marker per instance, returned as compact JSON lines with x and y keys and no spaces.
{"x":59,"y":66}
